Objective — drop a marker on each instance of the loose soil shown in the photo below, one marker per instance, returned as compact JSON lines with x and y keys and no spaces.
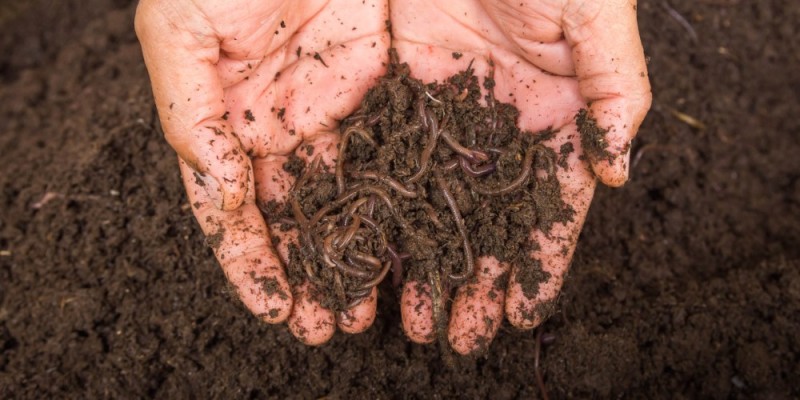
{"x":686,"y":282}
{"x":428,"y":173}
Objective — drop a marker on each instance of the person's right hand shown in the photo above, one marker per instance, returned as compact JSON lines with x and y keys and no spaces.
{"x":240,"y":85}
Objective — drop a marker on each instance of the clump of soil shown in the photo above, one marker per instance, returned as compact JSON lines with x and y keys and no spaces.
{"x":427,"y":180}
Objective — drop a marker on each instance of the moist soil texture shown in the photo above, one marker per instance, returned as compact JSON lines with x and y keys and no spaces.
{"x":426,"y":181}
{"x":685,"y":283}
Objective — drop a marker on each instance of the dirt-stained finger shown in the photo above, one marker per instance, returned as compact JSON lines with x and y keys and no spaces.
{"x":359,"y":318}
{"x":416,"y":309}
{"x":529,"y":301}
{"x":240,"y":240}
{"x":477,"y":310}
{"x":310,"y":323}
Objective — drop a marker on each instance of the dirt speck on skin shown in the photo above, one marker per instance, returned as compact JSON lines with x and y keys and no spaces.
{"x":215,"y":239}
{"x":593,"y":137}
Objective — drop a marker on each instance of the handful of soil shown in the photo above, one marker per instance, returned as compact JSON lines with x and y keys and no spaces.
{"x":426,"y":181}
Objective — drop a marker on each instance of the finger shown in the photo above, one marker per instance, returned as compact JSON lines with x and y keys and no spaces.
{"x":240,"y":240}
{"x":611,"y":69}
{"x":529,"y":300}
{"x":310,"y":323}
{"x":478,"y":308}
{"x":180,"y":51}
{"x":416,"y":310}
{"x":361,"y":316}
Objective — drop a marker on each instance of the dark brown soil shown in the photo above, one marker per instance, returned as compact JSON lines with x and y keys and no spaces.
{"x":439,"y":177}
{"x":686,"y":282}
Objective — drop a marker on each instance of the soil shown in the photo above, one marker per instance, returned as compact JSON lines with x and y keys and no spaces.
{"x":686,"y":282}
{"x":438,"y":177}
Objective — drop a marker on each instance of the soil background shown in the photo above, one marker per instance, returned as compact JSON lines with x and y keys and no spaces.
{"x":686,"y":282}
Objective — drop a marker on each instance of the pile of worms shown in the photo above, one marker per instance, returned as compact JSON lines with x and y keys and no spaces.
{"x":345,"y":236}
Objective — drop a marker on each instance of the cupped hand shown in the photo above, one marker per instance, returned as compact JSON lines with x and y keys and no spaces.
{"x":551,"y":58}
{"x":241,"y":85}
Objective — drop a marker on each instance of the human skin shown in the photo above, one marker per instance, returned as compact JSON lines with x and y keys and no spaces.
{"x":235,"y":100}
{"x":550,"y":59}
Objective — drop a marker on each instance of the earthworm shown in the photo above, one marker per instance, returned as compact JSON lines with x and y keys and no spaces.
{"x":371,"y":205}
{"x":310,"y":170}
{"x":330,"y":206}
{"x":496,"y":150}
{"x":358,"y":296}
{"x":515,"y":184}
{"x":389,"y":181}
{"x":343,"y":148}
{"x":450,"y":165}
{"x":381,"y":234}
{"x":425,"y":157}
{"x":421,"y":112}
{"x":348,"y":269}
{"x":297,"y":211}
{"x":537,"y":350}
{"x":472,"y":155}
{"x":431,"y":212}
{"x":376,"y":280}
{"x":397,"y":265}
{"x":345,"y":238}
{"x":375,"y":119}
{"x":339,"y":288}
{"x":287,"y":221}
{"x":358,"y":256}
{"x":308,"y":265}
{"x":381,"y":194}
{"x":462,"y":230}
{"x":351,"y":209}
{"x":476,"y":172}
{"x":327,"y":246}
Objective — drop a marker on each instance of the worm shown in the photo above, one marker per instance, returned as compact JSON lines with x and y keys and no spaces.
{"x":515,"y":184}
{"x":310,"y":170}
{"x":297,"y":211}
{"x":421,"y":112}
{"x":431,"y":212}
{"x":472,"y":155}
{"x":348,"y":234}
{"x":381,"y":194}
{"x":348,"y":269}
{"x":462,"y":230}
{"x":357,"y":256}
{"x":343,"y":148}
{"x":339,"y":288}
{"x":425,"y":158}
{"x":397,"y":265}
{"x":382,"y":244}
{"x":308,"y":265}
{"x":351,"y":209}
{"x":476,"y":172}
{"x":389,"y":181}
{"x":376,"y":280}
{"x":450,"y":165}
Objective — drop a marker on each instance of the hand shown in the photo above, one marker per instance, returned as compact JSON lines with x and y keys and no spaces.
{"x":551,"y":58}
{"x":239,"y":86}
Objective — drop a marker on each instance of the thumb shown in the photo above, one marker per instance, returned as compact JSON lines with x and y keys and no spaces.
{"x":181,"y":50}
{"x":612,"y":74}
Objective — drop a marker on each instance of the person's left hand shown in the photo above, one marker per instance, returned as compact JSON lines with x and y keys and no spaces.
{"x":551,"y":58}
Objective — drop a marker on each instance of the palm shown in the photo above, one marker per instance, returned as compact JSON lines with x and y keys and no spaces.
{"x":240,"y":85}
{"x":533,"y":69}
